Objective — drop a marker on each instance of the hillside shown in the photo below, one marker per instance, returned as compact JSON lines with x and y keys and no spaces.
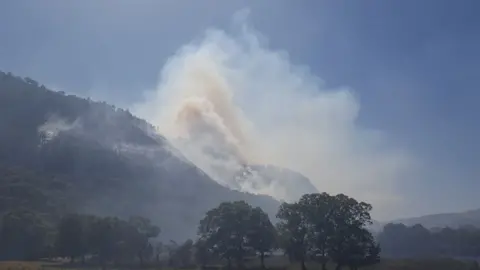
{"x":60,"y":153}
{"x":452,"y":220}
{"x":282,"y":182}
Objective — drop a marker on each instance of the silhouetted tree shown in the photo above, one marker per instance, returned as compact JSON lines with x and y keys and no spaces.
{"x":228,"y":231}
{"x":71,"y":238}
{"x":23,"y":236}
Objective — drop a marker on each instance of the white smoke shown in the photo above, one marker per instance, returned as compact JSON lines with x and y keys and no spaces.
{"x":228,"y":100}
{"x":55,"y":125}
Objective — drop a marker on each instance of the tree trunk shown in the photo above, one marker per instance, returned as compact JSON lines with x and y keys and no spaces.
{"x":72,"y":259}
{"x":240,"y":263}
{"x":324,"y":265}
{"x":140,"y":257}
{"x":304,"y":267}
{"x":339,"y":266}
{"x":262,"y":260}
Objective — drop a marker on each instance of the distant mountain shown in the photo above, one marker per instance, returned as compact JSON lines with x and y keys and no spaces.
{"x":60,"y":153}
{"x":452,"y":220}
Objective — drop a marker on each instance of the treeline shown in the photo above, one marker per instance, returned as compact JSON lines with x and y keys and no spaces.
{"x":398,"y":240}
{"x":318,"y":227}
{"x":25,"y":235}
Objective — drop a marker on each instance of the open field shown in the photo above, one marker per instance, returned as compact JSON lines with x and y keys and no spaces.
{"x":272,"y":263}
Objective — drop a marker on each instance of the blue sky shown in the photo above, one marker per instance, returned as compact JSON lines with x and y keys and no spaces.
{"x":414,"y":65}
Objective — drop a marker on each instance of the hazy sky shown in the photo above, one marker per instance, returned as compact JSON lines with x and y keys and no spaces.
{"x":414,"y":66}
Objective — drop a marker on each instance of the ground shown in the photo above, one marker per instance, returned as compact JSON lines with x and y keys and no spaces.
{"x":272,"y":263}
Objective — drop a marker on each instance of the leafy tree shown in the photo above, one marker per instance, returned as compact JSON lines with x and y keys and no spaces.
{"x":327,"y":227}
{"x":228,"y":228}
{"x":319,"y":211}
{"x":293,"y":231}
{"x":357,"y":250}
{"x":350,"y":238}
{"x":262,"y":234}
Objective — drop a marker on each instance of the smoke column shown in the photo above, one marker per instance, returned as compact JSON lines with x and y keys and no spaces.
{"x":228,"y":100}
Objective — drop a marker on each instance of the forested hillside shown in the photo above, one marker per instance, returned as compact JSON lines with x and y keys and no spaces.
{"x":60,"y":153}
{"x":398,"y":240}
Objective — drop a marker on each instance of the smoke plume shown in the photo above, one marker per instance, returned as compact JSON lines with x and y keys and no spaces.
{"x":55,"y":125}
{"x":228,"y":100}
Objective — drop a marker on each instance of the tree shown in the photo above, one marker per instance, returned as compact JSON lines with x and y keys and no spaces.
{"x":327,"y":227}
{"x":23,"y":236}
{"x":318,"y":209}
{"x":227,"y":230}
{"x":171,"y":248}
{"x":398,"y":240}
{"x":262,"y":235}
{"x":293,"y":231}
{"x":350,"y":243}
{"x":202,"y":253}
{"x":358,"y":250}
{"x":158,"y":249}
{"x":183,"y":254}
{"x":71,"y":240}
{"x":103,"y":239}
{"x":141,"y":231}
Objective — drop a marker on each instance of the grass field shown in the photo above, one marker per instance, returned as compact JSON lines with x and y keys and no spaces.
{"x":272,"y":263}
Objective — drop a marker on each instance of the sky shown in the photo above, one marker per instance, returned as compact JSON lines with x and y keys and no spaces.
{"x":413,"y":67}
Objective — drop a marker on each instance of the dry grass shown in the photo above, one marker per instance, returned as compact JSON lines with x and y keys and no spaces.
{"x":272,"y":264}
{"x":20,"y":265}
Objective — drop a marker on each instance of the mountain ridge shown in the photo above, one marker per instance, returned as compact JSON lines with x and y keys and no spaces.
{"x":65,"y":153}
{"x":440,"y":220}
{"x":91,"y":157}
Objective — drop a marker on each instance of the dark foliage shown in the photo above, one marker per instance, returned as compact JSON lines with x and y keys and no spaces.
{"x":398,"y":240}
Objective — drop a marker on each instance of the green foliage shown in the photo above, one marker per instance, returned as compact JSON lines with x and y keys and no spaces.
{"x":326,"y":227}
{"x":293,"y":230}
{"x":229,"y":231}
{"x":261,"y":236}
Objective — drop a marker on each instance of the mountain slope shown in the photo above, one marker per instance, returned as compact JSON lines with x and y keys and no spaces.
{"x":269,"y":179}
{"x":60,"y":153}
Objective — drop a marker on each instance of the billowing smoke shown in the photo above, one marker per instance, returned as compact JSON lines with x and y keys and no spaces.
{"x":228,"y":100}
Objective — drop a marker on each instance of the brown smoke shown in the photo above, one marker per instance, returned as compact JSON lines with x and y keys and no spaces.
{"x":229,"y":100}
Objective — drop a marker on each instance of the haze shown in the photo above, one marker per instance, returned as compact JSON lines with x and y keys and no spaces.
{"x":376,"y":100}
